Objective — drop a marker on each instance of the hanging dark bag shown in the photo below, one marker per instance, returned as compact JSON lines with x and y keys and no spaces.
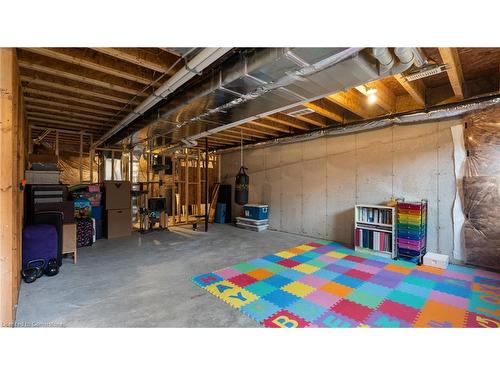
{"x":241,"y":187}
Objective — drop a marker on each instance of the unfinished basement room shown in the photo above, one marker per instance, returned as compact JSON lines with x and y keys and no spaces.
{"x":274,"y":187}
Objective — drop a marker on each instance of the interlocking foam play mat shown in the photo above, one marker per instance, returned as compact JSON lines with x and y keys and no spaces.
{"x":324,"y":284}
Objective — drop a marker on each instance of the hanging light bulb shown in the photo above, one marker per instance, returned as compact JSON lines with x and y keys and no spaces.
{"x":372,"y":95}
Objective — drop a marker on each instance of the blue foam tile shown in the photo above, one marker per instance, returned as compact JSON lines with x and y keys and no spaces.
{"x":300,"y":258}
{"x":280,"y":298}
{"x":259,"y":262}
{"x":306,"y":310}
{"x":291,"y":274}
{"x":278,"y":281}
{"x":453,"y":289}
{"x":484,"y":280}
{"x":346,"y":263}
{"x":326,"y":274}
{"x":260,"y":309}
{"x":272,"y":258}
{"x":207,"y":279}
{"x":416,"y":290}
{"x":348,"y":281}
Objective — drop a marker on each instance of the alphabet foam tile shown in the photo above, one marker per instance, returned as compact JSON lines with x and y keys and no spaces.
{"x":324,"y":284}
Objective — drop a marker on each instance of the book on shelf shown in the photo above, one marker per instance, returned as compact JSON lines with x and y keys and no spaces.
{"x":375,"y":215}
{"x":373,"y":240}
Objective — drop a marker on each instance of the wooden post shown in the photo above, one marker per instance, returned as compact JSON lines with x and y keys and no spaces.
{"x":8,"y":186}
{"x":57,"y":143}
{"x":81,"y":157}
{"x":186,"y":184}
{"x":131,"y":166}
{"x":198,"y":185}
{"x":206,"y":184}
{"x":91,"y":159}
{"x":112,"y":165}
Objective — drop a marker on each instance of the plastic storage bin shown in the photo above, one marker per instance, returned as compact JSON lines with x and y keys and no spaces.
{"x":256,"y":211}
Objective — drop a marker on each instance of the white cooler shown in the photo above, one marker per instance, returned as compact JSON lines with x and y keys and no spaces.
{"x":436,"y":260}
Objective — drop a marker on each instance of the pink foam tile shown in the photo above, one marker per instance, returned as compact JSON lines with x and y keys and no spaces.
{"x":449,"y":299}
{"x":487,"y":274}
{"x":322,"y":298}
{"x":227,"y":273}
{"x":458,"y":275}
{"x":366,"y":268}
{"x":313,"y":280}
{"x":327,"y":259}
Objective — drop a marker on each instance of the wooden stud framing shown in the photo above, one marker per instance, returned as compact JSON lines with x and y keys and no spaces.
{"x":289,"y":121}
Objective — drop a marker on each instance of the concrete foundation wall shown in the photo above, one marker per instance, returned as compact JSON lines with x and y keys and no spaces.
{"x":312,"y":186}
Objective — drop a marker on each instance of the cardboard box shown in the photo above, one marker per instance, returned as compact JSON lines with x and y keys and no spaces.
{"x":69,"y":238}
{"x":118,"y":223}
{"x":117,"y":194}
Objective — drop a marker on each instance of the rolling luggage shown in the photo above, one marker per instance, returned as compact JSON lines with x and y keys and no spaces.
{"x":39,"y":242}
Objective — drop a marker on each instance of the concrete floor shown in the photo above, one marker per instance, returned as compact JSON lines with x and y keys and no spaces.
{"x":145,"y":280}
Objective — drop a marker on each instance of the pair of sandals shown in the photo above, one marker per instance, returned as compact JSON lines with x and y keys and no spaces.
{"x":37,"y":268}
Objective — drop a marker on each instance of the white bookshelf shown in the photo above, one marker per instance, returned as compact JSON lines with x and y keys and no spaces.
{"x":375,"y":223}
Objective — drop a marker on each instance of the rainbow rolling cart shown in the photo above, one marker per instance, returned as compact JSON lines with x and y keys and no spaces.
{"x":412,"y":230}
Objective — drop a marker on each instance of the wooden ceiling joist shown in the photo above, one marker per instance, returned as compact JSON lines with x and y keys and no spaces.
{"x":354,"y":102}
{"x":90,"y":64}
{"x":257,"y":130}
{"x":75,"y":90}
{"x":321,"y":108}
{"x":244,"y":131}
{"x":68,"y":113}
{"x":385,"y":97}
{"x":289,"y":121}
{"x":49,"y":94}
{"x":37,"y":114}
{"x":416,"y":89}
{"x":268,"y":124}
{"x":235,"y":137}
{"x":455,"y":75}
{"x":134,"y":57}
{"x":313,"y":119}
{"x":66,"y":125}
{"x":68,"y":106}
{"x":79,"y":78}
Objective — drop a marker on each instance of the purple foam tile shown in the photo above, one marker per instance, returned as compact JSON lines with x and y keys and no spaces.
{"x":488,"y":274}
{"x":385,"y":281}
{"x":326,"y":259}
{"x":313,"y":280}
{"x":374,"y":263}
{"x":459,"y":275}
{"x":449,"y":299}
{"x":336,"y":268}
{"x":427,"y":275}
{"x":366,"y":268}
{"x":391,"y":275}
{"x":324,"y":249}
{"x":322,"y":298}
{"x":227,"y":273}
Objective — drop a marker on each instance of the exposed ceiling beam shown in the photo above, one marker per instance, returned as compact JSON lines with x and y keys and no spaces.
{"x":385,"y":97}
{"x":69,"y":125}
{"x":263,"y":123}
{"x":90,"y":64}
{"x":313,"y":119}
{"x":64,"y":105}
{"x":69,"y":113}
{"x":134,"y":58}
{"x":75,"y":90}
{"x":415,"y":88}
{"x":289,"y":121}
{"x":354,"y":102}
{"x":455,"y":75}
{"x":54,"y":95}
{"x":63,"y":117}
{"x":258,"y":130}
{"x":79,"y":78}
{"x":232,"y":137}
{"x":321,"y":108}
{"x":246,"y":131}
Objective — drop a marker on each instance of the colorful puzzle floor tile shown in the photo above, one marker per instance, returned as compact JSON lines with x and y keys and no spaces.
{"x":324,"y":284}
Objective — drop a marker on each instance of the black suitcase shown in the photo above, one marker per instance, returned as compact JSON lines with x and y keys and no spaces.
{"x":84,"y":232}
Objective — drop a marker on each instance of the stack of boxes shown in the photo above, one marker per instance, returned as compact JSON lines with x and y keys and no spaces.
{"x":117,"y":205}
{"x":255,"y":217}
